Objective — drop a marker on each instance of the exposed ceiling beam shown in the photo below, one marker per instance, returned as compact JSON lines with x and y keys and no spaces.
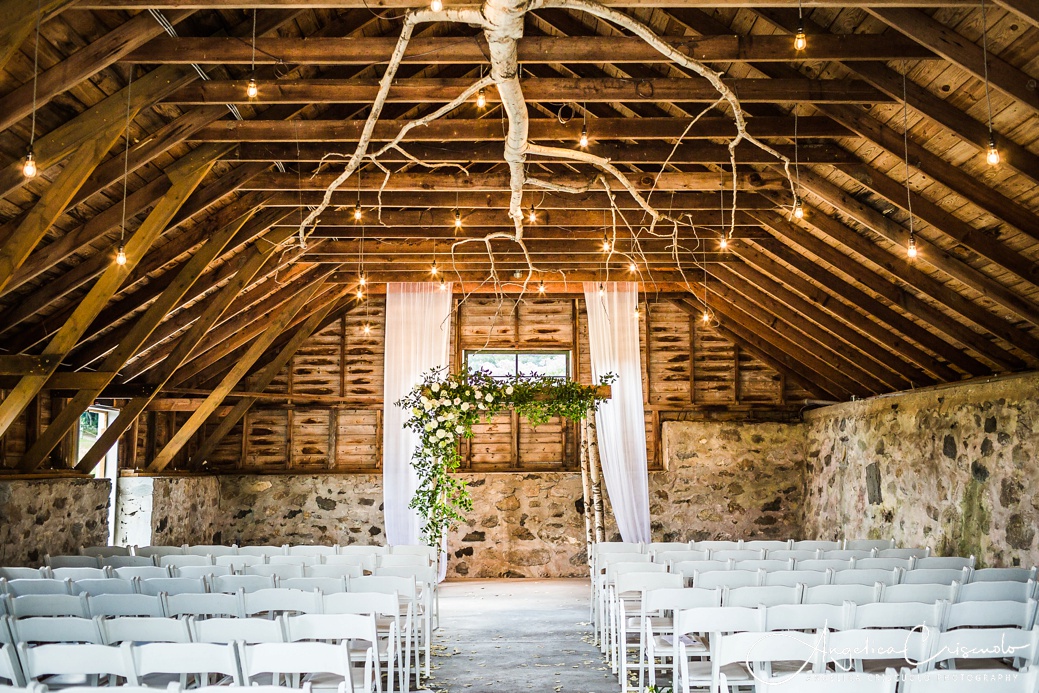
{"x":20,"y":17}
{"x":1026,"y":9}
{"x":412,"y":4}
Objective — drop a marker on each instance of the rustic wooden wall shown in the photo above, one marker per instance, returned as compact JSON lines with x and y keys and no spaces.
{"x":335,"y":422}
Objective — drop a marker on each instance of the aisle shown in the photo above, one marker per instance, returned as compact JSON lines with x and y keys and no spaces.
{"x":517,"y":635}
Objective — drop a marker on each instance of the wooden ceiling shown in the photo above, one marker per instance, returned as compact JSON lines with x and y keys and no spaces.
{"x":219,"y":182}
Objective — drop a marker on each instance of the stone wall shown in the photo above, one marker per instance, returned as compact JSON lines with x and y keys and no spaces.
{"x":168,"y":511}
{"x":954,"y":468}
{"x":54,"y":516}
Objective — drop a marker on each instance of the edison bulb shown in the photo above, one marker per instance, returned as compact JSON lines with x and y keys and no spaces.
{"x":800,"y":39}
{"x":29,"y":165}
{"x":584,"y":137}
{"x":605,"y":245}
{"x":358,"y":213}
{"x":367,"y":328}
{"x":533,"y":216}
{"x":706,"y":317}
{"x":362,"y":280}
{"x":992,"y":155}
{"x":458,"y":219}
{"x":436,"y":5}
{"x":911,"y":250}
{"x":433,"y":270}
{"x":633,"y":267}
{"x":360,"y":293}
{"x":251,"y":89}
{"x":799,"y":211}
{"x":541,"y":287}
{"x":481,"y":98}
{"x":724,"y":243}
{"x":120,"y":256}
{"x":443,"y":285}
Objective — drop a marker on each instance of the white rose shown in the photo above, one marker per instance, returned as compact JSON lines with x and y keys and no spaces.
{"x":435,"y":388}
{"x":453,"y":384}
{"x":443,"y":443}
{"x":429,"y":427}
{"x":465,"y":406}
{"x":449,"y":417}
{"x":441,"y":433}
{"x":508,"y":390}
{"x":482,"y":405}
{"x":427,"y":405}
{"x":477,"y":394}
{"x":457,"y":401}
{"x":459,"y":429}
{"x":440,"y":418}
{"x":489,"y":397}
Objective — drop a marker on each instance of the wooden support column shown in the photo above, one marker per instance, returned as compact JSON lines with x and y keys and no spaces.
{"x":275,"y":327}
{"x":215,"y":309}
{"x":259,"y":382}
{"x":190,"y":172}
{"x":190,"y":271}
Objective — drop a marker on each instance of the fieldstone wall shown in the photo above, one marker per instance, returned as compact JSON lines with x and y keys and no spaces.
{"x":168,"y":511}
{"x":954,"y":468}
{"x":51,"y":516}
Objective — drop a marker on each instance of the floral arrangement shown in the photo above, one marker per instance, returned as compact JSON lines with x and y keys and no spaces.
{"x":444,"y":406}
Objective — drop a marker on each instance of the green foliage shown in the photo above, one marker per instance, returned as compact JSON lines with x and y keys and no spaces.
{"x":444,"y":408}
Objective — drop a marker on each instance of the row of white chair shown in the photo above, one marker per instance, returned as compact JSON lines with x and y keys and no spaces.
{"x":172,"y":687}
{"x":838,"y":559}
{"x":56,"y":565}
{"x":324,"y":664}
{"x":767,"y":544}
{"x":904,"y":681}
{"x":268,"y":550}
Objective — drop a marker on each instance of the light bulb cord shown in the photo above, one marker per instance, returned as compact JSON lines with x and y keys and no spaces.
{"x":905,"y":148}
{"x":35,"y":72}
{"x":254,"y":41}
{"x":126,"y":159}
{"x":984,"y":65}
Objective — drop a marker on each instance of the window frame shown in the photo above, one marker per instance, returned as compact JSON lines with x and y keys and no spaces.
{"x":568,"y":353}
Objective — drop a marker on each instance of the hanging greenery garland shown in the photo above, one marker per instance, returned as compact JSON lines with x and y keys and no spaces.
{"x":444,"y":408}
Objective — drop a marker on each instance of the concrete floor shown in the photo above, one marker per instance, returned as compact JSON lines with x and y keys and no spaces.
{"x":517,"y":635}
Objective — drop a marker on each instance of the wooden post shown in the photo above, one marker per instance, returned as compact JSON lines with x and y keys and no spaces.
{"x":596,"y":479}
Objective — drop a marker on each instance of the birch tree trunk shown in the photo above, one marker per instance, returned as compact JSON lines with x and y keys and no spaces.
{"x":596,"y":479}
{"x":586,"y":489}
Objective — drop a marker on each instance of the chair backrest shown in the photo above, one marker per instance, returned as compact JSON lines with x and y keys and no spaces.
{"x":944,"y":562}
{"x":824,"y":564}
{"x":795,"y":554}
{"x":718,"y":619}
{"x":153,"y":551}
{"x":641,"y":582}
{"x":918,"y":593}
{"x":717,"y":545}
{"x":327,"y":585}
{"x":816,"y":545}
{"x":415,"y":550}
{"x":331,"y":627}
{"x":605,"y":560}
{"x":281,"y":570}
{"x":737,"y":554}
{"x":19,"y":573}
{"x":726,"y":578}
{"x":262,"y":550}
{"x":868,"y":544}
{"x":658,"y":547}
{"x":211,"y":550}
{"x":313,"y":550}
{"x":996,"y":681}
{"x":200,"y":571}
{"x":155,"y":586}
{"x":142,"y":572}
{"x":208,"y":604}
{"x":803,"y":650}
{"x":996,"y":591}
{"x":332,"y":571}
{"x":80,"y":659}
{"x":405,"y":588}
{"x":844,"y":647}
{"x":246,"y":583}
{"x":883,"y":563}
{"x":903,"y":615}
{"x":117,"y":562}
{"x":996,"y":614}
{"x":614,"y":570}
{"x":137,"y":629}
{"x":71,"y":561}
{"x":185,"y":560}
{"x":690,"y":568}
{"x":187,"y":658}
{"x":80,"y":573}
{"x":935,"y":576}
{"x":867,"y":576}
{"x":247,"y":630}
{"x":279,"y":601}
{"x":805,"y":617}
{"x":238,"y":561}
{"x":599,"y":549}
{"x":365,"y":550}
{"x":10,"y":668}
{"x":296,"y":560}
{"x":1003,"y":574}
{"x":22,"y":587}
{"x":768,"y":565}
{"x":986,"y":643}
{"x":789,"y":578}
{"x":904,"y":553}
{"x":49,"y":605}
{"x":761,"y":596}
{"x":294,"y":657}
{"x":104,"y":551}
{"x":104,"y":586}
{"x":838,"y":594}
{"x":378,"y":603}
{"x":807,"y":682}
{"x":677,"y":599}
{"x":845,"y":554}
{"x":126,"y":605}
{"x":678,"y":556}
{"x":51,"y":629}
{"x":768,"y":544}
{"x":394,"y":560}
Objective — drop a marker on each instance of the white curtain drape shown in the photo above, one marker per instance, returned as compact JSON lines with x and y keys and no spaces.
{"x":418,"y":329}
{"x":613,"y":339}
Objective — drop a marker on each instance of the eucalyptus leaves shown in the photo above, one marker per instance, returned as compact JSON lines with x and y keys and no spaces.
{"x":445,"y":406}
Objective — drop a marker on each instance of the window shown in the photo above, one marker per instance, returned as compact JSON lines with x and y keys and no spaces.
{"x":92,"y":423}
{"x":510,"y":364}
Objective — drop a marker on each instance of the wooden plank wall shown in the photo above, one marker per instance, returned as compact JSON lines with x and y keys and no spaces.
{"x":689,"y":372}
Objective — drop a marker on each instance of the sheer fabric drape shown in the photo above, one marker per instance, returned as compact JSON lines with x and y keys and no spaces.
{"x":418,"y":328}
{"x":613,"y":339}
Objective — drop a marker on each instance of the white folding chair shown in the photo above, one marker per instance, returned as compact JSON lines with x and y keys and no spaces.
{"x":738,"y":555}
{"x":357,"y":630}
{"x":718,"y":545}
{"x":944,"y":562}
{"x":80,"y":573}
{"x":792,"y":554}
{"x":805,"y":617}
{"x":49,"y":605}
{"x":996,"y":614}
{"x":689,"y":569}
{"x":156,"y":552}
{"x":806,"y":682}
{"x":213,"y":550}
{"x":362,"y":549}
{"x":766,"y":564}
{"x":207,"y":604}
{"x":56,"y":629}
{"x":104,"y":551}
{"x":71,"y":561}
{"x":996,"y":591}
{"x":726,"y":578}
{"x":629,"y":618}
{"x":156,"y":586}
{"x":10,"y":668}
{"x":977,"y":648}
{"x":789,"y":578}
{"x":262,"y":550}
{"x":715,"y":621}
{"x":18,"y":573}
{"x":312,"y":550}
{"x":1003,"y":574}
{"x":935,"y":576}
{"x":768,"y":544}
{"x":327,"y":585}
{"x":237,"y":562}
{"x":816,"y":545}
{"x":201,"y":571}
{"x":824,"y":564}
{"x":753,"y":596}
{"x":656,"y":548}
{"x":405,"y":590}
{"x":141,"y":572}
{"x":995,"y":681}
{"x":281,"y":601}
{"x":904,"y":553}
{"x":228,"y":630}
{"x":117,"y":562}
{"x":867,"y":576}
{"x":415,"y":550}
{"x":863,"y":650}
{"x":845,"y":554}
{"x":607,"y":595}
{"x":275,"y":570}
{"x":175,"y":562}
{"x":868,"y":544}
{"x":403,"y":560}
{"x":104,"y":586}
{"x":678,"y":556}
{"x":135,"y":629}
{"x":882,"y":563}
{"x":754,"y":654}
{"x":362,"y":561}
{"x":310,"y":658}
{"x":22,"y":587}
{"x":246,"y":583}
{"x":918,"y":593}
{"x":160,"y":659}
{"x":295,"y":560}
{"x":387,"y":611}
{"x":332,"y":571}
{"x":908,"y":615}
{"x":838,"y":594}
{"x":126,"y":605}
{"x":80,"y":660}
{"x":658,"y":609}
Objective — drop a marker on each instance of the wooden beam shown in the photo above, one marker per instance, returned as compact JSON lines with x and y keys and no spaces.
{"x":21,"y":239}
{"x":82,"y":64}
{"x":259,"y":382}
{"x":19,"y":23}
{"x":214,"y":309}
{"x":488,"y":130}
{"x":410,"y":4}
{"x":25,"y":364}
{"x":1025,"y":9}
{"x":442,"y":90}
{"x":531,"y":49}
{"x":186,"y":175}
{"x":142,"y":327}
{"x":959,"y":51}
{"x":276,"y":325}
{"x":413,"y":226}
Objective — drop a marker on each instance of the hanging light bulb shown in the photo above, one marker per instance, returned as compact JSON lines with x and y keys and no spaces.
{"x":583,"y":142}
{"x":367,"y":328}
{"x":992,"y":155}
{"x":605,"y":244}
{"x":632,"y":267}
{"x":800,"y":38}
{"x":362,"y":280}
{"x":724,"y":243}
{"x":706,"y":317}
{"x":541,"y":287}
{"x":458,"y":219}
{"x":638,"y":313}
{"x":481,"y":98}
{"x":358,"y":213}
{"x":251,"y":90}
{"x":433,"y":270}
{"x":533,"y":216}
{"x":120,"y":255}
{"x":29,"y":165}
{"x":799,"y":211}
{"x":911,"y":249}
{"x":360,"y":293}
{"x":443,"y":285}
{"x":436,"y":5}
{"x":602,"y":290}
